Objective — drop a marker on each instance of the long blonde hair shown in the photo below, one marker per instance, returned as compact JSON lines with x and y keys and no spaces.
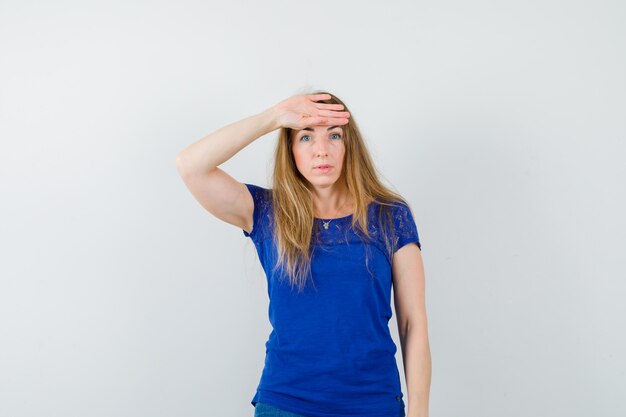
{"x":293,"y":202}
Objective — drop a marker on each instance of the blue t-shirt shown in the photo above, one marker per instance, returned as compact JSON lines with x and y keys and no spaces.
{"x":330,"y":352}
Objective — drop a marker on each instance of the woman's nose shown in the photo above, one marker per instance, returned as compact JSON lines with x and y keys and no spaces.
{"x":321,"y":148}
{"x":321,"y":152}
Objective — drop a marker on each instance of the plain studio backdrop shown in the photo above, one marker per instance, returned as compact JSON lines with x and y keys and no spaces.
{"x":502,"y":123}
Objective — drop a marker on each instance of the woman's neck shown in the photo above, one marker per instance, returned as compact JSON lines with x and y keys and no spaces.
{"x":331,"y":204}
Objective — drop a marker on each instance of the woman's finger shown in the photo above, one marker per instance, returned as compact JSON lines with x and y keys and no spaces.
{"x":316,"y":97}
{"x":331,"y":113}
{"x":329,"y":106}
{"x":327,"y":121}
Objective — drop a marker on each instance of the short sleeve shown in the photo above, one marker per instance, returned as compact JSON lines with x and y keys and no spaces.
{"x":405,"y":228}
{"x":261,"y":199}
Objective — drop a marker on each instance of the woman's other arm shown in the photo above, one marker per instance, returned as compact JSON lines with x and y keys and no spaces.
{"x":409,"y":298}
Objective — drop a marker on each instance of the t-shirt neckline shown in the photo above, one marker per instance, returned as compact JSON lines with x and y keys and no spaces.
{"x":341,"y":218}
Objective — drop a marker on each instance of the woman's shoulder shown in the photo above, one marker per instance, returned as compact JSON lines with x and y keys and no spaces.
{"x":262,"y":212}
{"x":258,"y":192}
{"x":380,"y":205}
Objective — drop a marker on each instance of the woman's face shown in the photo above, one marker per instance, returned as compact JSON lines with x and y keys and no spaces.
{"x":319,"y":145}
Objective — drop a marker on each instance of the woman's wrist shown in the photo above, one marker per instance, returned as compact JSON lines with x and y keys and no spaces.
{"x":269,"y":119}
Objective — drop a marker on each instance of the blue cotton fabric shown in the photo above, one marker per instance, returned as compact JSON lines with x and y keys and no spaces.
{"x":330,"y":352}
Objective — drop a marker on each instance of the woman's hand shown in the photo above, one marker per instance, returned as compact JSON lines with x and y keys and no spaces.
{"x":302,"y":111}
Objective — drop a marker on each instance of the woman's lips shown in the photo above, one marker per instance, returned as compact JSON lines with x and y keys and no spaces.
{"x":324,"y":168}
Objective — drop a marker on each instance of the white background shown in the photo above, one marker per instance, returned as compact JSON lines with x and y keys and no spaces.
{"x":501,"y":122}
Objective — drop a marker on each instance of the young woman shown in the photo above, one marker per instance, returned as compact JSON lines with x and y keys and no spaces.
{"x":332,"y":240}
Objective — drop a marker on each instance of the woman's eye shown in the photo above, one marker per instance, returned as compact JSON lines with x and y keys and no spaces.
{"x":307,"y":136}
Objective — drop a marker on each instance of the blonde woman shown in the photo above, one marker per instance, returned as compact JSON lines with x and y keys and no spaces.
{"x":332,"y":240}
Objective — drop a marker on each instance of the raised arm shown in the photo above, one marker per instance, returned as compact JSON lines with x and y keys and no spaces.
{"x":219,"y":193}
